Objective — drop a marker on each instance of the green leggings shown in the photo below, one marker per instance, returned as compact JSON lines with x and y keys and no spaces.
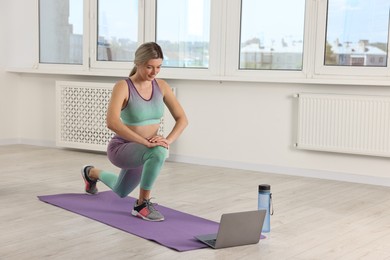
{"x":139,"y":165}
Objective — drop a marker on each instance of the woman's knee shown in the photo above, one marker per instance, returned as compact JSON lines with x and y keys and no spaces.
{"x":125,"y":191}
{"x":159,"y":154}
{"x":121,"y":194}
{"x":163,"y":152}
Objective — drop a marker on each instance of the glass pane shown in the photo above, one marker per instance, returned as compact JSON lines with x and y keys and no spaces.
{"x":272,"y":34}
{"x":117,"y":30}
{"x":357,"y":33}
{"x":61,"y":31}
{"x":184,"y":33}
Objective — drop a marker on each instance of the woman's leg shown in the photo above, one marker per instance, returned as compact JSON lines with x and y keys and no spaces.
{"x":123,"y":184}
{"x":154,"y":160}
{"x":138,"y":163}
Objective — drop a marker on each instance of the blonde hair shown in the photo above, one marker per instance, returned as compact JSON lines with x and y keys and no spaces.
{"x":146,"y":52}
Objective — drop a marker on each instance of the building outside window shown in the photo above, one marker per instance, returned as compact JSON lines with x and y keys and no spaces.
{"x":61,"y":31}
{"x":271,"y":34}
{"x":117,"y":30}
{"x":357,"y":33}
{"x":184,"y":34}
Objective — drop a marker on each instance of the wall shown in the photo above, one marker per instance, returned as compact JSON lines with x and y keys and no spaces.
{"x":252,"y":126}
{"x":232,"y":124}
{"x":9,"y":108}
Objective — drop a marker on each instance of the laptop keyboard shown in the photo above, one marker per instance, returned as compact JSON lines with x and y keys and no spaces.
{"x":211,"y":242}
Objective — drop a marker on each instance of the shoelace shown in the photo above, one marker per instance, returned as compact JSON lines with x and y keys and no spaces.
{"x":149,"y":204}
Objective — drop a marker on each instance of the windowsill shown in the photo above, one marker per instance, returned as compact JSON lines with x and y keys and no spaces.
{"x":95,"y":72}
{"x":316,"y":79}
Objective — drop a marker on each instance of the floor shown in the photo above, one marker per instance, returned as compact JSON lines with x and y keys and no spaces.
{"x":314,"y":219}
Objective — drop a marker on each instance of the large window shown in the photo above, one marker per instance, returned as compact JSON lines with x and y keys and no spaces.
{"x":234,"y":40}
{"x":117,"y":30}
{"x":272,"y":34}
{"x":357,"y":33}
{"x":184,"y":32}
{"x":61,"y":31}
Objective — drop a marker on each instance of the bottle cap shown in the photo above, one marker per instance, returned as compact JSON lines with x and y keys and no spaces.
{"x":264,"y":187}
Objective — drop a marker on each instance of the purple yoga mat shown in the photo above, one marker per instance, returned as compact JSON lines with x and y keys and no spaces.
{"x":177,"y":231}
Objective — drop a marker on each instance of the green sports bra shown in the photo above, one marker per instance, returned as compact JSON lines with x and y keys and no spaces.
{"x":139,"y":111}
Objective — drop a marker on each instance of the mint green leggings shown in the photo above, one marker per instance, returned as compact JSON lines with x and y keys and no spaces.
{"x":139,"y":165}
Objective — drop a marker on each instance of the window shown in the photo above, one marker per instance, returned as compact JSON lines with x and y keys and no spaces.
{"x":357,"y":33}
{"x":271,"y":34}
{"x":117,"y":30}
{"x":235,"y":40}
{"x":61,"y":31}
{"x":184,"y":34}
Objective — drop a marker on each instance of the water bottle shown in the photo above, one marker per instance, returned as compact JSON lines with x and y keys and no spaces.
{"x":265,"y":202}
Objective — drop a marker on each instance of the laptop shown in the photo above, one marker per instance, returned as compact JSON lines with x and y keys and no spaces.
{"x":236,"y":229}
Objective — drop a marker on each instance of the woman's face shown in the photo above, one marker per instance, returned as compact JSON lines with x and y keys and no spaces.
{"x":150,"y":69}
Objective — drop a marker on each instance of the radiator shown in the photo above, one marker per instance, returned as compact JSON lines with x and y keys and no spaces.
{"x":352,"y":124}
{"x":81,"y":115}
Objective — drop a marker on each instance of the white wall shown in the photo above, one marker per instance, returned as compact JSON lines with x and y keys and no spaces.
{"x":252,"y":125}
{"x":234,"y":124}
{"x":9,"y":109}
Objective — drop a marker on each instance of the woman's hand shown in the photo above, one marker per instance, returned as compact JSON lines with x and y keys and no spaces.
{"x":158,"y":140}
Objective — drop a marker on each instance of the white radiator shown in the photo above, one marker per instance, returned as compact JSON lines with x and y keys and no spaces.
{"x":344,"y":123}
{"x":81,"y":115}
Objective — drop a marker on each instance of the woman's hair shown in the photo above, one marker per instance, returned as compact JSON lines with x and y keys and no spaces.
{"x":146,"y":52}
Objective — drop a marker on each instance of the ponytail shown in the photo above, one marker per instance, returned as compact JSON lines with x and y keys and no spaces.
{"x":133,"y":71}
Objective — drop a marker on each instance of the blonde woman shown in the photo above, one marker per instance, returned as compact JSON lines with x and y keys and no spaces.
{"x":134,"y":112}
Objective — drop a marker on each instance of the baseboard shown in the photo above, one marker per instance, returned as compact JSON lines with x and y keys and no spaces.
{"x":9,"y":141}
{"x":310,"y":173}
{"x":35,"y":142}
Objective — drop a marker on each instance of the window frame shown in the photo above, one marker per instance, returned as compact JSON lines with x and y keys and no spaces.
{"x":93,"y":20}
{"x":224,"y":47}
{"x":341,"y":71}
{"x":216,"y":40}
{"x":147,"y":32}
{"x":62,"y":66}
{"x":232,"y":70}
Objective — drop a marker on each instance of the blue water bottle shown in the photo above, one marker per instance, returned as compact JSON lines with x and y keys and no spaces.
{"x":265,"y":202}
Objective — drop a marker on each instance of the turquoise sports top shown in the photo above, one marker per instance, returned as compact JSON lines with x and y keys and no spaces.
{"x":140,"y":111}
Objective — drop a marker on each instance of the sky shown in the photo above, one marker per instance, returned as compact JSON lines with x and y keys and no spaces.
{"x":186,"y":19}
{"x":121,"y":19}
{"x":272,"y":19}
{"x":353,"y":20}
{"x":75,"y":15}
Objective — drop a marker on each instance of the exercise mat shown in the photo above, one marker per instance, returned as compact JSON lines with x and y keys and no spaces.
{"x":177,"y":231}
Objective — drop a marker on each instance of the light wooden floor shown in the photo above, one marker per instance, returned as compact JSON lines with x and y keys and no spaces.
{"x":314,"y":219}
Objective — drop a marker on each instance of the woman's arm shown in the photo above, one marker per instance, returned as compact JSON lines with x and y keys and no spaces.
{"x":118,"y":99}
{"x":175,"y":109}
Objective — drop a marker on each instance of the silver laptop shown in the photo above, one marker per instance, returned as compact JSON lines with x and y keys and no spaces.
{"x":236,"y":229}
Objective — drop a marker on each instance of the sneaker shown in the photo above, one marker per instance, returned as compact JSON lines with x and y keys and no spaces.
{"x":146,"y":211}
{"x":90,"y":185}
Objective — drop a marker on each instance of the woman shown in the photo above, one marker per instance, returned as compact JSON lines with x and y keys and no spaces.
{"x":134,"y":112}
